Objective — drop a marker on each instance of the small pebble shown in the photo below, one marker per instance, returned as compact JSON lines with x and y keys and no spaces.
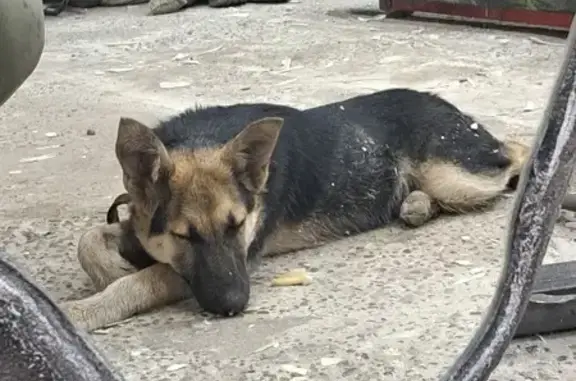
{"x":474,"y":126}
{"x":90,"y":132}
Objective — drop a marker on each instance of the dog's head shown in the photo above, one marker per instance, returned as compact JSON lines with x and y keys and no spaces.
{"x":199,"y":210}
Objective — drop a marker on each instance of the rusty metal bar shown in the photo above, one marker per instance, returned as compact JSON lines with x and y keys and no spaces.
{"x":541,"y":190}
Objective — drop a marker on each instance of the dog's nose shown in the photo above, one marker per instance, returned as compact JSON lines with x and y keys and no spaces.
{"x":219,"y":280}
{"x":229,"y":304}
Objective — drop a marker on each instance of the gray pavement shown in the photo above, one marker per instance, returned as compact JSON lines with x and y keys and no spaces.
{"x":393,"y":304}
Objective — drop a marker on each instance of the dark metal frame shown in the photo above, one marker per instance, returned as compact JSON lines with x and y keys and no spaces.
{"x":541,"y":190}
{"x":37,"y":338}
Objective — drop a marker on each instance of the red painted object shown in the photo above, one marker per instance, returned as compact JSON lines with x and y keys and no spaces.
{"x":529,"y":17}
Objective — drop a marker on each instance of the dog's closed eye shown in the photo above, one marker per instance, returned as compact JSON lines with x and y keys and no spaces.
{"x":193,"y":236}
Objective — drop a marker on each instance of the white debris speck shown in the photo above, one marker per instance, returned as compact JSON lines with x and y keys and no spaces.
{"x":37,"y":158}
{"x":530,"y":106}
{"x":474,"y":126}
{"x":274,"y":344}
{"x":463,"y":262}
{"x":292,"y":369}
{"x":49,"y":147}
{"x":496,"y":150}
{"x":465,"y":238}
{"x":181,"y":56}
{"x":51,"y":134}
{"x":329,"y":361}
{"x":173,"y":85}
{"x":16,"y":172}
{"x":341,"y":107}
{"x":468,"y":279}
{"x":370,"y":246}
{"x":136,"y":353}
{"x":175,"y":367}
{"x":120,"y":69}
{"x":364,"y":149}
{"x":442,"y":137}
{"x":286,"y":63}
{"x":238,"y":14}
{"x":332,"y":184}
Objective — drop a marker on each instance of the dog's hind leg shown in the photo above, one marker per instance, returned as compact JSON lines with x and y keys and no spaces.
{"x":458,"y":190}
{"x":418,"y":208}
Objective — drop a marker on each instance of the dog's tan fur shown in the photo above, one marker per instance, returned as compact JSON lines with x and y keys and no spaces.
{"x":203,"y":194}
{"x":447,"y":187}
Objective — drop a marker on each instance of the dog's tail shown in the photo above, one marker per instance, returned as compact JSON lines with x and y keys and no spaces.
{"x":518,"y":153}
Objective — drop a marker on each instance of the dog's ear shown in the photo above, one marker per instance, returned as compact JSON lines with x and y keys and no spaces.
{"x":251,"y":150}
{"x":141,"y":154}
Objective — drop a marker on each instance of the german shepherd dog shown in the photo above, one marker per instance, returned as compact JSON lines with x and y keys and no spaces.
{"x":214,"y":189}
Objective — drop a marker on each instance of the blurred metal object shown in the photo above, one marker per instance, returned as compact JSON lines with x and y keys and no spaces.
{"x":541,"y":191}
{"x":21,"y":42}
{"x":38,"y":340}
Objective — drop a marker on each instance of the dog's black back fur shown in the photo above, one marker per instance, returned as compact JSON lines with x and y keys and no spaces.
{"x":341,"y":162}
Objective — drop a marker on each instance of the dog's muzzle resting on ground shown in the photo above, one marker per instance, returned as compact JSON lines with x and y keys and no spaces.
{"x":212,"y":190}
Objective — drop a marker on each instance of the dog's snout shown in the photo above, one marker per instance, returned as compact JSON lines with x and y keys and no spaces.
{"x":220,"y":281}
{"x":230,"y":303}
{"x":224,"y":301}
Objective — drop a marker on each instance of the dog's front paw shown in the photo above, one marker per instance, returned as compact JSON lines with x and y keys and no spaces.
{"x":81,"y":314}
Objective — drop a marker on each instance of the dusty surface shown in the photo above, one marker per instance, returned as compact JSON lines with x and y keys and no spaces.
{"x":392,"y":304}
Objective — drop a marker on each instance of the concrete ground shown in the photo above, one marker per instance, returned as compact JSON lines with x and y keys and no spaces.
{"x":392,"y":304}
